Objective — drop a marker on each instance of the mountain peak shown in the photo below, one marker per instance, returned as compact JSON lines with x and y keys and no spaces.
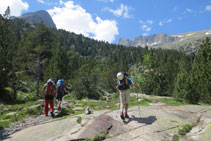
{"x":37,"y":17}
{"x":187,"y":42}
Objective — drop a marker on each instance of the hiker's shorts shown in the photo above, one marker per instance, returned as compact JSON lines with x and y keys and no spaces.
{"x":59,"y":96}
{"x":124,"y":96}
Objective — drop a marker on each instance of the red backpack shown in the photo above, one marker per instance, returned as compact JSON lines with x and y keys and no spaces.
{"x":49,"y":88}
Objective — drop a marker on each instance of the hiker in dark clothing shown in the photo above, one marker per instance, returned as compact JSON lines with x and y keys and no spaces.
{"x":60,"y":90}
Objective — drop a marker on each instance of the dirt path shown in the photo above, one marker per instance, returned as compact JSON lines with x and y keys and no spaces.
{"x":29,"y":122}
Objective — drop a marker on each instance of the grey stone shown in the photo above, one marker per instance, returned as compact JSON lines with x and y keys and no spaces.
{"x":157,"y":122}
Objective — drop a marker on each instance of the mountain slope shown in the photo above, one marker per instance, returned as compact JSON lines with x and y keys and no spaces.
{"x":187,"y":42}
{"x":39,"y":16}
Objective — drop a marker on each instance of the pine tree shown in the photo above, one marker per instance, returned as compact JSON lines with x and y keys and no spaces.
{"x":38,"y":49}
{"x":8,"y":46}
{"x":201,"y":72}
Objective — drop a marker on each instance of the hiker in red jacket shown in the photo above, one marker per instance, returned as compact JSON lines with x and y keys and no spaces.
{"x":49,"y":92}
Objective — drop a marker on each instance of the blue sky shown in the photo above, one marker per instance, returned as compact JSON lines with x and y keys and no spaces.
{"x":110,"y":20}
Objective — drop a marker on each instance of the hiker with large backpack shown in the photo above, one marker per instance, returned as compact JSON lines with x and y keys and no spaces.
{"x":60,"y":91}
{"x":49,"y":92}
{"x":123,"y":88}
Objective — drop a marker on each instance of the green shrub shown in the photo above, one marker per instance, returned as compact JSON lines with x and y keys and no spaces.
{"x":4,"y":124}
{"x":100,"y":137}
{"x":171,"y":101}
{"x":175,"y":137}
{"x":185,"y":129}
{"x":144,"y":101}
{"x":79,"y":120}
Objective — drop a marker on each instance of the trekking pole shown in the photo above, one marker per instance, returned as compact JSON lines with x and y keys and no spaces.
{"x":118,"y":105}
{"x":138,"y":104}
{"x":137,"y":96}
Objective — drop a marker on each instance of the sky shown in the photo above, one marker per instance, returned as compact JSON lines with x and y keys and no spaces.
{"x":110,"y":20}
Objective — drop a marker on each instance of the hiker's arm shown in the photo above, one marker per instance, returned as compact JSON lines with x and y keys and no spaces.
{"x":56,"y":94}
{"x":134,"y":85}
{"x":44,"y":89}
{"x":65,"y":88}
{"x":117,"y":89}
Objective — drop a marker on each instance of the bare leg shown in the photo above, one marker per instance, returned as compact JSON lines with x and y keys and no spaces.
{"x":122,"y":107}
{"x":59,"y":104}
{"x":126,"y":107}
{"x":122,"y":110}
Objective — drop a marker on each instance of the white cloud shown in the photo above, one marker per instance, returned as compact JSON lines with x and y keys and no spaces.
{"x":145,"y":34}
{"x":146,"y":26}
{"x":179,"y":18}
{"x":106,"y":0}
{"x":61,"y":2}
{"x":161,"y":23}
{"x":148,"y":29}
{"x":105,"y":30}
{"x":16,"y":7}
{"x":147,"y":22}
{"x":208,"y":8}
{"x":150,"y":22}
{"x":41,"y":1}
{"x":74,"y":18}
{"x":141,"y":22}
{"x":123,"y":10}
{"x":188,"y":10}
{"x":169,"y":20}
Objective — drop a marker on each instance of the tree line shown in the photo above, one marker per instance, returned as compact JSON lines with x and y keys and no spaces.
{"x":30,"y":54}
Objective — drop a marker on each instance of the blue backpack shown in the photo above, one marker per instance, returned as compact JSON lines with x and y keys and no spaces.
{"x":59,"y":85}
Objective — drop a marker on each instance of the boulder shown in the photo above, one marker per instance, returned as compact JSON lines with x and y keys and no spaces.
{"x":88,"y":110}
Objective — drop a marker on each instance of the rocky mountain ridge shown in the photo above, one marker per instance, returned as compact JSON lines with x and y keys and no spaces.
{"x":37,"y":17}
{"x":152,"y":40}
{"x":187,"y":42}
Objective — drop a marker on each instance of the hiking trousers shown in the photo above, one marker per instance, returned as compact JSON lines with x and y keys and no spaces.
{"x":47,"y":101}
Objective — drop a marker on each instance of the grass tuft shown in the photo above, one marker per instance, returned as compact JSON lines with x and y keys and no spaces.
{"x":79,"y":119}
{"x":175,"y":137}
{"x":185,"y":129}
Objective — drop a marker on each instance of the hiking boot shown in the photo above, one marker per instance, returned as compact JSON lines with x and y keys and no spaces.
{"x":126,"y":115}
{"x":52,"y":114}
{"x":122,"y":116}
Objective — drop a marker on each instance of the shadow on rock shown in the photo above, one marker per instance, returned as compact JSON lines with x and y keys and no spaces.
{"x":147,"y":120}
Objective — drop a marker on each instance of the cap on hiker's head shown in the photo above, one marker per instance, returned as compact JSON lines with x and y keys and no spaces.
{"x":49,"y":80}
{"x":120,"y":76}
